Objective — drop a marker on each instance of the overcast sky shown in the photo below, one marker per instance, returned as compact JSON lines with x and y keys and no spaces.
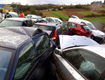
{"x":31,"y":2}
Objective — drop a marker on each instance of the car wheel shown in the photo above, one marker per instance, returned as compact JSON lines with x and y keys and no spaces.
{"x":92,"y":37}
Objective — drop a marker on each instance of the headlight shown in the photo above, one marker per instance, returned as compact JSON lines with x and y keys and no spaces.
{"x":103,"y":36}
{"x":100,"y":35}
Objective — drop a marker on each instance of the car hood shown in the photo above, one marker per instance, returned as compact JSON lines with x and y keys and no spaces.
{"x":71,"y":41}
{"x":97,"y":32}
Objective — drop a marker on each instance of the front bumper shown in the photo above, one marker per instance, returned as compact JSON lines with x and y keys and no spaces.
{"x":99,"y":38}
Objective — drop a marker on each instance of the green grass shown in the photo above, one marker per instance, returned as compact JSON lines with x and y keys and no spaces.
{"x":88,"y":13}
{"x":95,"y":19}
{"x":60,"y":15}
{"x":102,"y":9}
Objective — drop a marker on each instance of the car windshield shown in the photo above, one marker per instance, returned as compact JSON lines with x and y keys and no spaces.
{"x":57,"y":20}
{"x":85,"y":27}
{"x":91,"y":26}
{"x":28,"y":16}
{"x":5,"y":57}
{"x":7,"y":23}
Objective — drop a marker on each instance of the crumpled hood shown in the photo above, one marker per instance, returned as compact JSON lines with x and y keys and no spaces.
{"x":97,"y":32}
{"x":71,"y":41}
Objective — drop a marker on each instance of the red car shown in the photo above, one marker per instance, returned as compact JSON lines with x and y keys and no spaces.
{"x":73,"y":28}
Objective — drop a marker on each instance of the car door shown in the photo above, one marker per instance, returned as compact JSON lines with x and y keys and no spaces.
{"x":87,"y":63}
{"x":65,"y":29}
{"x":26,"y":61}
{"x":73,"y":27}
{"x":43,"y":54}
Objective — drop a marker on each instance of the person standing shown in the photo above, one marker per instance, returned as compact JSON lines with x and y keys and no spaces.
{"x":7,"y":15}
{"x":0,"y":15}
{"x":21,"y":14}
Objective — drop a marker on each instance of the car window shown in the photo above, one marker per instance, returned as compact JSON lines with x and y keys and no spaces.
{"x":5,"y":57}
{"x":29,"y":16}
{"x":49,"y":20}
{"x":29,"y":23}
{"x":89,"y":64}
{"x":25,"y":23}
{"x":25,"y":62}
{"x":7,"y":23}
{"x":42,"y":44}
{"x":49,"y":28}
{"x":72,"y":25}
{"x":57,"y":21}
{"x":91,"y":26}
{"x":85,"y":27}
{"x":61,"y":29}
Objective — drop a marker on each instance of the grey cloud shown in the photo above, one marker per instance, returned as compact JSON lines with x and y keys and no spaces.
{"x":68,"y":2}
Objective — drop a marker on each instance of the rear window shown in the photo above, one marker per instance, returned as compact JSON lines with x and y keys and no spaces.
{"x":7,"y":23}
{"x":14,"y":15}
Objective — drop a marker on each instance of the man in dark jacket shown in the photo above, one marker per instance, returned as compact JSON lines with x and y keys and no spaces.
{"x":7,"y":15}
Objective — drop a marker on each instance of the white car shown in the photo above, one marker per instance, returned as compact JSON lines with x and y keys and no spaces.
{"x":97,"y":35}
{"x":13,"y":14}
{"x":81,"y":63}
{"x":54,"y":19}
{"x":35,"y":18}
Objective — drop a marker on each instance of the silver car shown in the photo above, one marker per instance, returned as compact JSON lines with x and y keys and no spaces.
{"x":81,"y":63}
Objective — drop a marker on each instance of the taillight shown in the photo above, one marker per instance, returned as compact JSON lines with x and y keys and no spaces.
{"x":55,"y":36}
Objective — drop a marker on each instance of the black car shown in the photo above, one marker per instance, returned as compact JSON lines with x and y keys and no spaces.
{"x":25,"y":53}
{"x":17,"y":22}
{"x":55,"y":29}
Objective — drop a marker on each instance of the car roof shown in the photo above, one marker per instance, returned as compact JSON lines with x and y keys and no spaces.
{"x":97,"y":49}
{"x":77,"y":20}
{"x":34,"y":16}
{"x":53,"y":24}
{"x":31,"y":15}
{"x":52,"y":17}
{"x":12,"y":37}
{"x":17,"y":19}
{"x":13,"y":13}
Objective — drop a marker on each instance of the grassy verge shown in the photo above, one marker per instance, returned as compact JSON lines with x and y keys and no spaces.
{"x":102,"y":9}
{"x":96,"y":19}
{"x":88,"y":13}
{"x":60,"y":15}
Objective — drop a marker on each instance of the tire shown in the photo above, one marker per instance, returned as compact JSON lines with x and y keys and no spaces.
{"x":92,"y":37}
